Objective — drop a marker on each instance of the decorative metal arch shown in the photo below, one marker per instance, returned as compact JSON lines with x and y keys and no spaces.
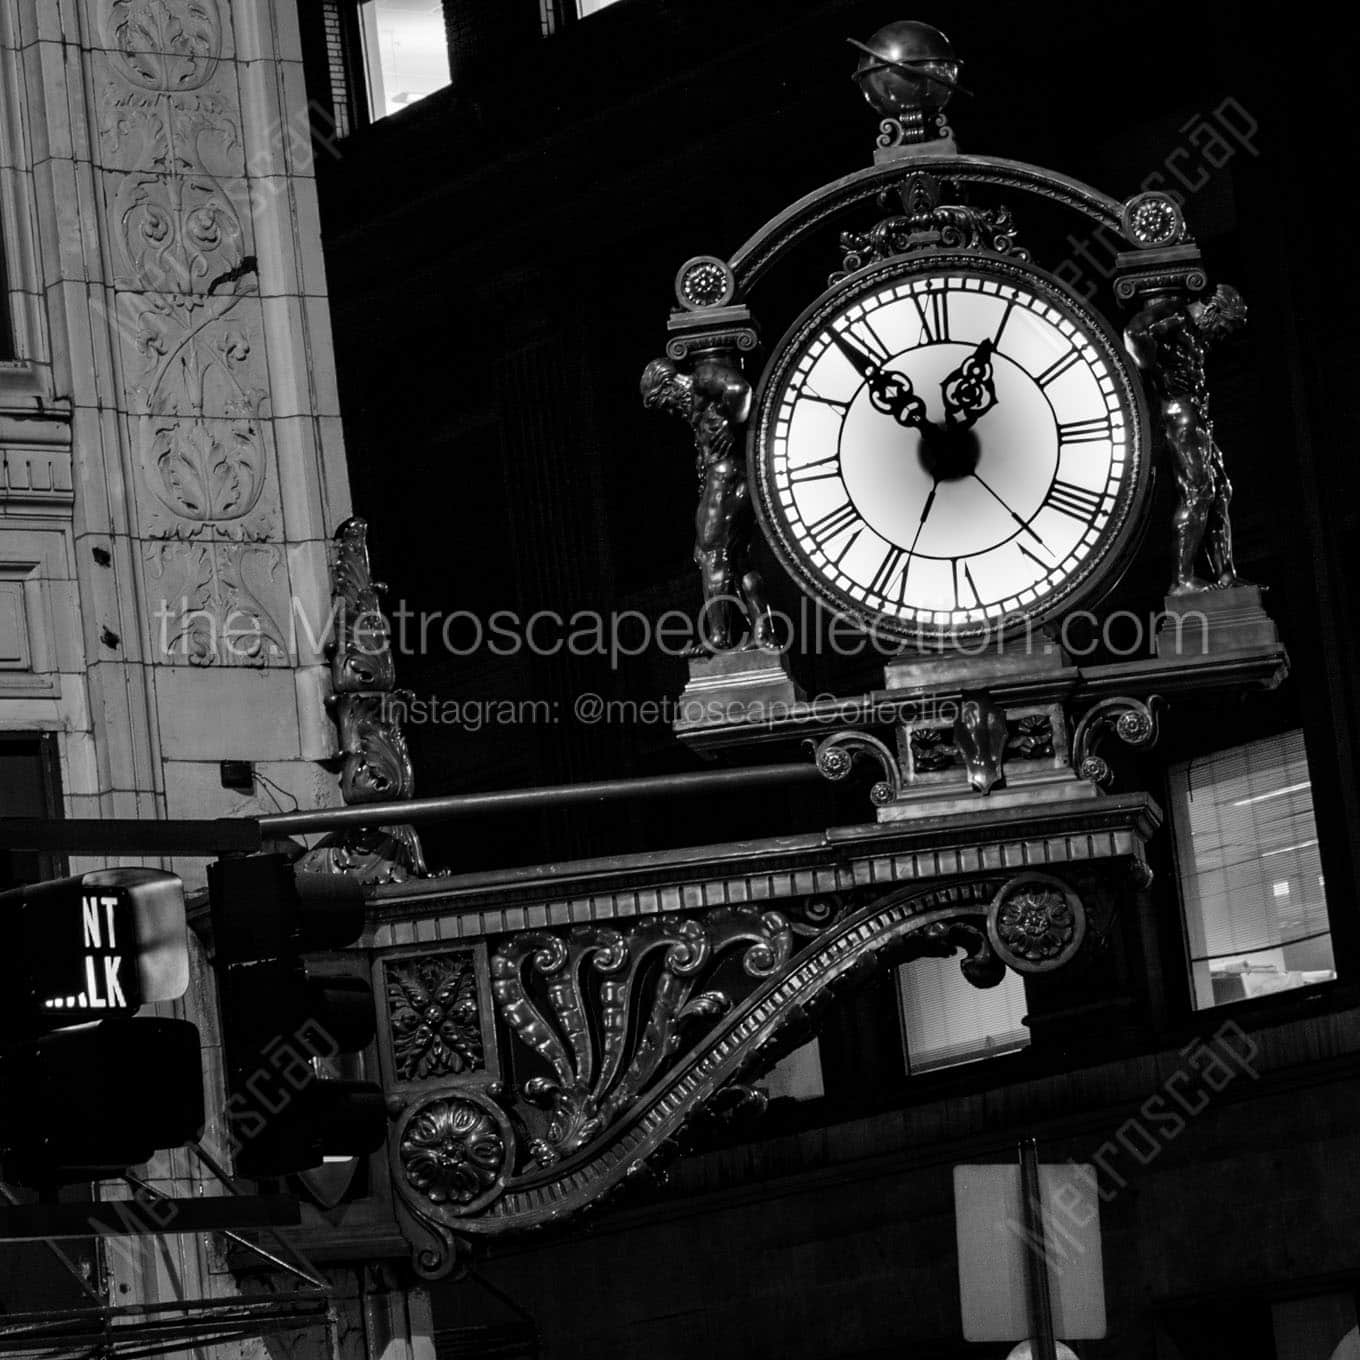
{"x":780,"y":233}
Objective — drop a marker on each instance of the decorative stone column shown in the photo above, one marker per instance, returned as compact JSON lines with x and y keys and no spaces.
{"x":170,"y":429}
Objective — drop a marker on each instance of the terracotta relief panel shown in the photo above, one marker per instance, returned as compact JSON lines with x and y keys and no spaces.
{"x":190,"y":333}
{"x":218,"y":603}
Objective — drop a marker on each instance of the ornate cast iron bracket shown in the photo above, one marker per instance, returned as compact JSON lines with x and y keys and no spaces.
{"x":366,"y":705}
{"x":835,"y":757}
{"x":1134,"y":722}
{"x":980,"y":738}
{"x":1029,"y":737}
{"x":619,"y":1035}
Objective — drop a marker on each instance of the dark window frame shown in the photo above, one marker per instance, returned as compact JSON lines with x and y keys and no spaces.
{"x":43,"y":745}
{"x":7,"y":342}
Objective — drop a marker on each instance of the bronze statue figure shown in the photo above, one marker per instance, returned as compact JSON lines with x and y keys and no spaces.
{"x":715,"y":399}
{"x":1169,"y":339}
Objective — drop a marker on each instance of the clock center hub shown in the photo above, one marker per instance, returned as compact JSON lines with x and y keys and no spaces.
{"x":949,"y":455}
{"x":980,"y":472}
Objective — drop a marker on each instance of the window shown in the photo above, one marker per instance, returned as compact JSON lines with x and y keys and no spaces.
{"x":946,"y":1020}
{"x":405,"y":52}
{"x":1321,"y":1327}
{"x":6,"y":331}
{"x":555,"y":15}
{"x":796,"y":1076}
{"x":1251,"y":876}
{"x":28,"y":788}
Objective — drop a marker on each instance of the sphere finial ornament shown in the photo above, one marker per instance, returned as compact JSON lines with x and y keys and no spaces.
{"x":907,"y":66}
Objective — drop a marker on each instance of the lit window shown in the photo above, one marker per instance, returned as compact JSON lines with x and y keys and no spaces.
{"x":796,"y":1076}
{"x":947,"y":1020}
{"x":1251,"y":877}
{"x":1321,"y":1325}
{"x":406,"y":52}
{"x":554,"y":15}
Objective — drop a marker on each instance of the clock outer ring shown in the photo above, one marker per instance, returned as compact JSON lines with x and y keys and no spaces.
{"x":1105,"y":566}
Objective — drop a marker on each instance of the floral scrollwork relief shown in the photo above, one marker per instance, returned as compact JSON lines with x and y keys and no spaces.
{"x":187,"y":308}
{"x":606,"y":1011}
{"x":377,"y":763}
{"x":217,"y":603}
{"x":361,"y":647}
{"x":1036,"y":923}
{"x":925,"y":221}
{"x":435,"y":1019}
{"x":205,"y":471}
{"x":454,"y":1151}
{"x":167,"y":46}
{"x":379,"y":854}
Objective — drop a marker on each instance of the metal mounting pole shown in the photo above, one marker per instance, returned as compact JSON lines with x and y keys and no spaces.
{"x":311,"y":1275}
{"x":1040,"y":1300}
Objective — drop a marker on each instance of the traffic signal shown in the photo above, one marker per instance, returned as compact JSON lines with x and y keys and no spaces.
{"x":281,"y":1024}
{"x":89,"y":1088}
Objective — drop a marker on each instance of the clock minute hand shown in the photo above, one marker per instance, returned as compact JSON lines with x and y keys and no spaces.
{"x":969,"y":392}
{"x":1025,"y":525}
{"x":891,"y":393}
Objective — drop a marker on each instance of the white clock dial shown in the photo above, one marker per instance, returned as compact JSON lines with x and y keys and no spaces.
{"x":949,"y":450}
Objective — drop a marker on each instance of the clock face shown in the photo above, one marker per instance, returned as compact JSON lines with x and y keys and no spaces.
{"x":949,"y":447}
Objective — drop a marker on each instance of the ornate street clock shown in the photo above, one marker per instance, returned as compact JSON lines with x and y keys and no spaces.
{"x":949,"y":445}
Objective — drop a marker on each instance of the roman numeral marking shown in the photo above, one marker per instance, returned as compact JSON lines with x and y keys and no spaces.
{"x":870,"y":339}
{"x":934,"y":316}
{"x":837,"y":522}
{"x":1058,"y":367}
{"x":1076,"y":501}
{"x":972,"y":586}
{"x":1005,"y":317}
{"x":813,"y":472}
{"x":886,"y":569}
{"x":1084,"y":431}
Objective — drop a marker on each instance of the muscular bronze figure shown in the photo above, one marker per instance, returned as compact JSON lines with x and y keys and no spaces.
{"x":715,"y":399}
{"x":1169,"y":339}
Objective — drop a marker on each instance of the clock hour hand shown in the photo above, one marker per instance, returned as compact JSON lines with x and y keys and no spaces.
{"x":891,"y":393}
{"x":969,"y":392}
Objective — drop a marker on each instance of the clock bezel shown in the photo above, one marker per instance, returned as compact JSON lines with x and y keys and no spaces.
{"x":1107,"y":560}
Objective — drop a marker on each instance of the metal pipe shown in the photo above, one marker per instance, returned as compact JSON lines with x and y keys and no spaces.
{"x":138,"y":1183}
{"x":311,"y":1274}
{"x":416,"y":811}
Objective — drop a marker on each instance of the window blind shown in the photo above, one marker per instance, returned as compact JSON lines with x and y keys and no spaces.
{"x":1251,"y":873}
{"x":947,"y":1020}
